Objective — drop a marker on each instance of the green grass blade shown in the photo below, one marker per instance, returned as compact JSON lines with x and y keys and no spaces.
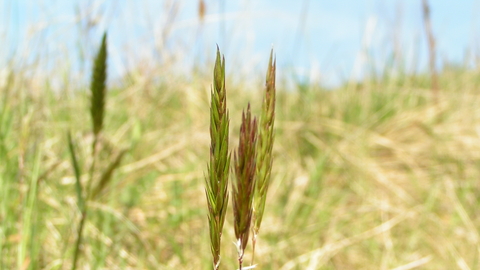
{"x":107,"y":175}
{"x":76,"y":169}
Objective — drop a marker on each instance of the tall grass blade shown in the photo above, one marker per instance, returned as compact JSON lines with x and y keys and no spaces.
{"x":107,"y":175}
{"x":27,"y":250}
{"x":80,"y":200}
{"x":77,"y":171}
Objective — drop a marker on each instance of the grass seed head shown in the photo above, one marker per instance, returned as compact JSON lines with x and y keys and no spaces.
{"x":243,"y":186}
{"x":218,"y":169}
{"x":265,"y":145}
{"x":97,"y":87}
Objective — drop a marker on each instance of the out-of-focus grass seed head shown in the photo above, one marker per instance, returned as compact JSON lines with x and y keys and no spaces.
{"x":97,"y":87}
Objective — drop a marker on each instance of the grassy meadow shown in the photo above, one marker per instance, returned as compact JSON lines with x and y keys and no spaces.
{"x":371,"y":175}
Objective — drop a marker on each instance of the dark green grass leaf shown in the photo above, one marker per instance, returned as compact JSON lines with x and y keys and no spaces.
{"x":76,"y":169}
{"x":107,"y":175}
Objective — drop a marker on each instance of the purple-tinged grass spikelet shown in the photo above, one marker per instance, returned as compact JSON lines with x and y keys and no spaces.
{"x":244,"y":184}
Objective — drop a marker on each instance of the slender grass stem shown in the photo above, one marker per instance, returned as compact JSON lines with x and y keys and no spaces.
{"x":97,"y":111}
{"x":78,"y":243}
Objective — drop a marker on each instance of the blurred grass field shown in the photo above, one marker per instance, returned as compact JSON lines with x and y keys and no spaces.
{"x":371,"y":175}
{"x":375,"y":176}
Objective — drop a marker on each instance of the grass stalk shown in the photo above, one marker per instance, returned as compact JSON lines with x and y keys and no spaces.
{"x":264,"y":150}
{"x":244,"y":184}
{"x":218,"y":168}
{"x":80,"y":201}
{"x":97,"y":109}
{"x":431,"y":48}
{"x":98,"y":88}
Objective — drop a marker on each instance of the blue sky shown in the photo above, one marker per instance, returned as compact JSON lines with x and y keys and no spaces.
{"x":319,"y":40}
